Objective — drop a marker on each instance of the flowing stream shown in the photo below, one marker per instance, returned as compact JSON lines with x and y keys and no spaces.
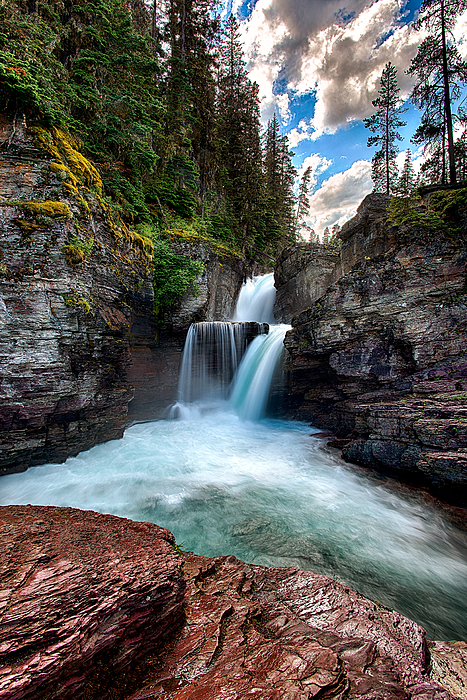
{"x":226,"y":481}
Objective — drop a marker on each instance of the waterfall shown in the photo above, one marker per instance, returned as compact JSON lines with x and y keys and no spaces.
{"x":256,"y":300}
{"x":210,"y":359}
{"x":222,"y":358}
{"x":252,"y":382}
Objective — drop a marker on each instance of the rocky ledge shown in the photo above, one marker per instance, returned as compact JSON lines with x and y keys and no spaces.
{"x":93,"y":606}
{"x":380,"y":359}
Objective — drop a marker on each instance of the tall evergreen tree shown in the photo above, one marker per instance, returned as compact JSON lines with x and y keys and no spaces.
{"x":439,"y":72}
{"x":303,"y":201}
{"x":407,"y":179}
{"x":385,"y":123}
{"x":279,"y":182}
{"x":239,"y":135}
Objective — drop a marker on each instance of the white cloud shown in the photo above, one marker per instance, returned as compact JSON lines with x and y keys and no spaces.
{"x":336,"y":201}
{"x":302,"y":132}
{"x":318,"y":165}
{"x":304,"y":44}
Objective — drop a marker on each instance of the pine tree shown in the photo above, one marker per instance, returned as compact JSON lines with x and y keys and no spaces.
{"x":303,"y":201}
{"x":385,"y":123}
{"x":407,"y":179}
{"x":378,"y":171}
{"x":279,"y":175}
{"x":326,"y":236}
{"x":335,"y":231}
{"x":238,"y":129}
{"x":439,"y":72}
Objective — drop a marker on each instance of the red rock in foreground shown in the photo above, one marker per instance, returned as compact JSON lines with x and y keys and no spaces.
{"x":285,"y":634}
{"x":84,"y":596}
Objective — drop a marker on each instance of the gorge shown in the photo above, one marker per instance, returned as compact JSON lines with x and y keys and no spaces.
{"x":376,"y":355}
{"x":268,"y":492}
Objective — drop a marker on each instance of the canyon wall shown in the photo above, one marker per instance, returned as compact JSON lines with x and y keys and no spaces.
{"x":81,"y":351}
{"x":380,"y":359}
{"x":304,"y":271}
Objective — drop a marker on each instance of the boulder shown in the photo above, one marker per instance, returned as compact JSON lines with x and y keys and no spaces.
{"x":93,"y":606}
{"x":83,"y":598}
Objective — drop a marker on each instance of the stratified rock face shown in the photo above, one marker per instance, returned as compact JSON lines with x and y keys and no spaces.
{"x":83,"y":596}
{"x":71,"y":281}
{"x":302,"y":274}
{"x":78,"y":337}
{"x":278,"y":634}
{"x":305,"y":271}
{"x":91,"y":607}
{"x":380,"y":358}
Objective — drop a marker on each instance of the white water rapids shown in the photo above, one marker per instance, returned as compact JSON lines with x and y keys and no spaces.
{"x":268,"y":492}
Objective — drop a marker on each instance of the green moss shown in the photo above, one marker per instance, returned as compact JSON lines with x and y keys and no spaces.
{"x":76,"y":301}
{"x":446,"y":207}
{"x":56,"y":210}
{"x":77,"y":251}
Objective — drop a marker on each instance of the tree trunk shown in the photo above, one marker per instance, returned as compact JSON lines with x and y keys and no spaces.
{"x":154,"y":20}
{"x":387,"y":144}
{"x":447,"y":101}
{"x":182,"y":32}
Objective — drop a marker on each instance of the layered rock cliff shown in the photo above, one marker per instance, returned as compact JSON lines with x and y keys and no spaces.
{"x":380,"y":357}
{"x":79,"y":342}
{"x":95,"y":606}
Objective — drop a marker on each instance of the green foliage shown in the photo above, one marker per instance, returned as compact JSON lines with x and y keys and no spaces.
{"x":170,"y":140}
{"x":77,"y":251}
{"x":445,"y":212}
{"x":384,"y":123}
{"x":174,"y":274}
{"x":440,"y":73}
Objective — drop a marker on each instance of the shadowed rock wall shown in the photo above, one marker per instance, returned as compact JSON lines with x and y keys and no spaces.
{"x":380,"y":358}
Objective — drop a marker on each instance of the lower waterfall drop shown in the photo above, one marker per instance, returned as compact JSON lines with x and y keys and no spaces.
{"x":252,"y":382}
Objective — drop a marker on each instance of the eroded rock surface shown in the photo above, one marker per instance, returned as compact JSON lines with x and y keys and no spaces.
{"x":253,"y":632}
{"x":381,"y":360}
{"x":83,"y":597}
{"x":91,"y":607}
{"x":302,"y":274}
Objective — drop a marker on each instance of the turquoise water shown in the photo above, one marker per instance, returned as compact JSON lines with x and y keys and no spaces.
{"x":269,"y":493}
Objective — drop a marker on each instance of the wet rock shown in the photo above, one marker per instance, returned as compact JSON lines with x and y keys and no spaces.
{"x":284,"y":633}
{"x":449,"y":666}
{"x":93,"y":606}
{"x":83,"y":597}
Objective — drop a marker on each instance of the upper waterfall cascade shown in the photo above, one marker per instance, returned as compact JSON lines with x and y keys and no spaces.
{"x":256,"y":300}
{"x":222,"y":360}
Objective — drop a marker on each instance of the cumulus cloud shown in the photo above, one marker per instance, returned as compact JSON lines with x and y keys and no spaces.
{"x":335,"y":50}
{"x":336,"y":201}
{"x":318,"y":165}
{"x":302,"y":132}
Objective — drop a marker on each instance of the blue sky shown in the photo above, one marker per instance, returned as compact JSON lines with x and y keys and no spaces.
{"x":318,"y":64}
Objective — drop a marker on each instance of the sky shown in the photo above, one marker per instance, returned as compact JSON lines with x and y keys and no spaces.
{"x":318,"y":64}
